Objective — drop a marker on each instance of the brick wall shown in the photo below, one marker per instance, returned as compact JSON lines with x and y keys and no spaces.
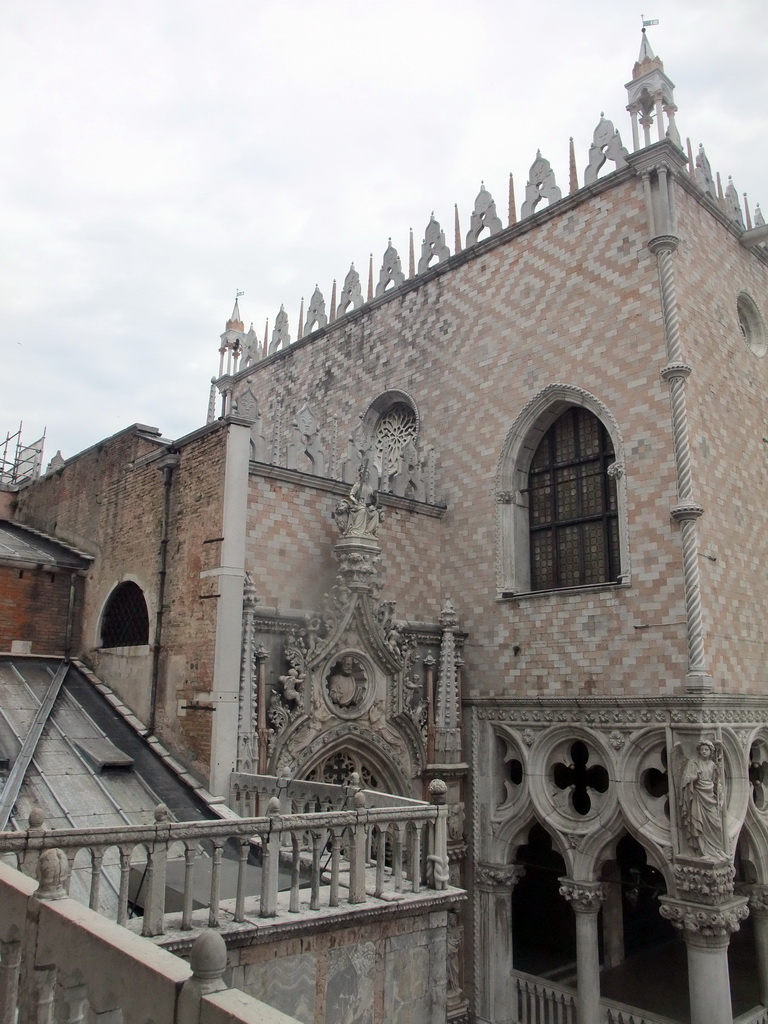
{"x":34,"y":606}
{"x":572,"y":300}
{"x":105,"y":503}
{"x":726,"y":404}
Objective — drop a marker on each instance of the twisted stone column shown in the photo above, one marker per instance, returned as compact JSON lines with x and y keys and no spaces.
{"x":495,"y":992}
{"x":586,"y":898}
{"x":686,"y":510}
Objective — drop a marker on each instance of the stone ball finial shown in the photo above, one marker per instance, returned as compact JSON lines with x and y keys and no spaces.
{"x":360,"y":800}
{"x":273,"y":806}
{"x":52,"y":873}
{"x":162,"y":813}
{"x":208,"y":956}
{"x":354,"y":780}
{"x":438,"y":791}
{"x":36,"y":817}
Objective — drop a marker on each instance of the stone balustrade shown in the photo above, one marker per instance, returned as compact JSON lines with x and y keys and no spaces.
{"x":353,"y":846}
{"x":539,"y":1001}
{"x":60,"y":961}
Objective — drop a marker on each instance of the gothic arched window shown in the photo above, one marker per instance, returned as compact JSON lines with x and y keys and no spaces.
{"x":572,"y":506}
{"x":125,"y":620}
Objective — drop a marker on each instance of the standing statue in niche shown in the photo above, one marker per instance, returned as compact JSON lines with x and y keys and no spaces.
{"x":346,"y":683}
{"x":700,"y":798}
{"x":360,"y":514}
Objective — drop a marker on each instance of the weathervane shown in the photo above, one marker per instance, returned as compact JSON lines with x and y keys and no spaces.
{"x":648,"y":22}
{"x":238,"y":294}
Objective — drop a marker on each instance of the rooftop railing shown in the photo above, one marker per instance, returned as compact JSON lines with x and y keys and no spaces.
{"x":312,"y":846}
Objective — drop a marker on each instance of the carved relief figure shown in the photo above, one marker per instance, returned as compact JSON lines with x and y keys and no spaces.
{"x":292,"y":686}
{"x":700,"y":798}
{"x":346,"y":683}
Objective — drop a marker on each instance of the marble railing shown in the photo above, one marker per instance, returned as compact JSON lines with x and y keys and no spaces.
{"x":758,"y":1015}
{"x":60,"y":961}
{"x":358,"y":845}
{"x":541,"y":1001}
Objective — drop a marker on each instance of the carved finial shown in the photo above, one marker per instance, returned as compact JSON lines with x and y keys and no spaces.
{"x":370,"y":277}
{"x":161,"y":814}
{"x":300,"y":328}
{"x":333,"y":300}
{"x":52,"y":873}
{"x":483,"y":216}
{"x":746,"y":213}
{"x":351,"y":292}
{"x":456,"y":229}
{"x":691,"y":164}
{"x":438,"y":791}
{"x":606,"y":145}
{"x":391,"y":270}
{"x":208,"y":960}
{"x":411,"y":257}
{"x":316,"y":316}
{"x":759,"y":219}
{"x":273,"y":806}
{"x":433,"y":246}
{"x":36,"y":817}
{"x":573,"y":181}
{"x":512,"y":207}
{"x":541,"y":185}
{"x":266,"y":337}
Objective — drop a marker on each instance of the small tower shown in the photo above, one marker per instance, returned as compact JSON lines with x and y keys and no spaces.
{"x":232,"y":342}
{"x":651,"y":97}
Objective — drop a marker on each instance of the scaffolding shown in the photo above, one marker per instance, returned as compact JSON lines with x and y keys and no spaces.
{"x":20,"y":462}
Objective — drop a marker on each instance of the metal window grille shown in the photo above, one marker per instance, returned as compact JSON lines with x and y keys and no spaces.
{"x":573,"y":516}
{"x":125,"y":622}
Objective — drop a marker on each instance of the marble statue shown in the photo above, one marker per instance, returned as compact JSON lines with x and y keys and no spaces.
{"x":700,"y":798}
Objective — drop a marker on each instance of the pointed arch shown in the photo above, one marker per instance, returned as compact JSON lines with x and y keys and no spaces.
{"x":513,"y":570}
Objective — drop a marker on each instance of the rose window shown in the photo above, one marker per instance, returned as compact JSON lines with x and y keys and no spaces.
{"x":393,"y":432}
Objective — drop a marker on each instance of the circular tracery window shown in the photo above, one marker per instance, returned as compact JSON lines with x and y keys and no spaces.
{"x":337,"y":769}
{"x":751,"y":325}
{"x":392,"y":433}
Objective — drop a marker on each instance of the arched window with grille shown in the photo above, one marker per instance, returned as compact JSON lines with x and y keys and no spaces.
{"x":574,"y":530}
{"x":125,"y":619}
{"x":561,"y":496}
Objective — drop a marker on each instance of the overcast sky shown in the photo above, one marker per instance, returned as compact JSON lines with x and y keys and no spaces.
{"x":158,"y":155}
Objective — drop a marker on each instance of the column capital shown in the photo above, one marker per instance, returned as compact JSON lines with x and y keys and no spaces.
{"x":584,"y":897}
{"x":686,"y":510}
{"x":757,"y":896}
{"x":675,"y":371}
{"x":663,"y":243}
{"x":708,"y":884}
{"x":704,"y":924}
{"x":498,"y":877}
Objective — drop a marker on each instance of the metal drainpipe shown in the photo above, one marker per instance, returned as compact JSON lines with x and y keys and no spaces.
{"x":70,"y":616}
{"x":167,"y":465}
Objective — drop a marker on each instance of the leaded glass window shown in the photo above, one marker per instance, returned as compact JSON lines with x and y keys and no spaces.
{"x":572,"y":505}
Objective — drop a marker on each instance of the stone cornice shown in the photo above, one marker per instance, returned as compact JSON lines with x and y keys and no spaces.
{"x":321,"y":483}
{"x":607,"y":712}
{"x":261,"y":931}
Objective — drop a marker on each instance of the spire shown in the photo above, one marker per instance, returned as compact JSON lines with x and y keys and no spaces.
{"x":651,"y":98}
{"x":235,"y":322}
{"x":573,"y":180}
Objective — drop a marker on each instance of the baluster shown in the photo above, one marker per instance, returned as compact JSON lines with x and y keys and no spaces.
{"x":9,"y":981}
{"x":271,"y":860}
{"x":397,"y":857}
{"x":369,"y":848}
{"x":189,"y":886}
{"x":416,"y":856}
{"x":242,"y":870}
{"x":97,"y":856}
{"x":381,"y":856}
{"x":335,"y":855}
{"x":125,"y":878}
{"x":357,"y":852}
{"x":213,"y":912}
{"x":157,"y":860}
{"x":45,"y":990}
{"x":317,"y":850}
{"x":75,"y":1000}
{"x":295,"y":872}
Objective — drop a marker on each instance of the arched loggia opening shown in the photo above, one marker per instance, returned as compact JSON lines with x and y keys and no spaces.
{"x":542,"y":922}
